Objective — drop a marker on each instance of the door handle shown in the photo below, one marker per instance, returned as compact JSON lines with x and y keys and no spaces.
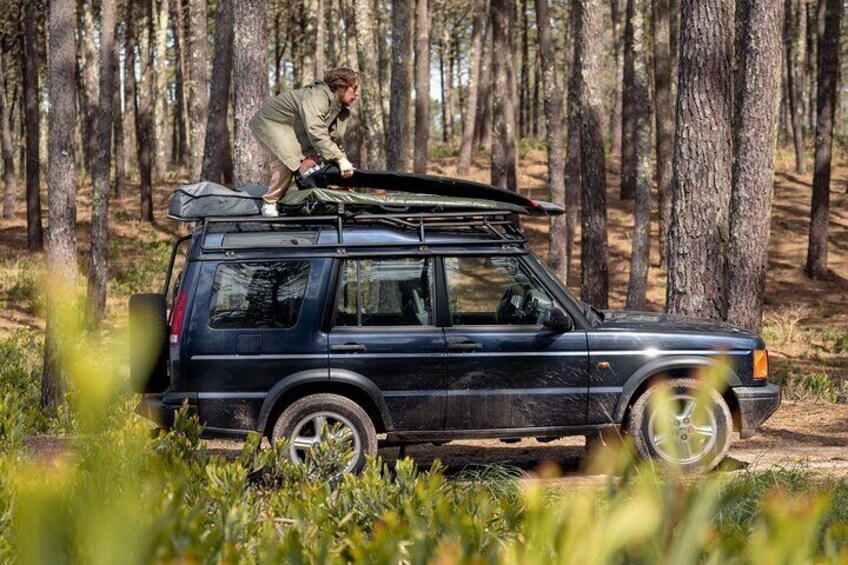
{"x":464,"y":346}
{"x":348,"y":348}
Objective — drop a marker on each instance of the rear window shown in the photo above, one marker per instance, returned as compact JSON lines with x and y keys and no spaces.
{"x":258,"y":295}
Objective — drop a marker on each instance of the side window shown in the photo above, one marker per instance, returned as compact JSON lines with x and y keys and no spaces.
{"x":494,"y":290}
{"x":386,"y":292}
{"x":258,"y":295}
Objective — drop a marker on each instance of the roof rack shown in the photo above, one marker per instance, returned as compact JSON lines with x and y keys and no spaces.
{"x":494,"y":223}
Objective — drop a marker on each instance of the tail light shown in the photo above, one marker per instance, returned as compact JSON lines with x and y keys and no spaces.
{"x":761,"y":370}
{"x":177,"y":317}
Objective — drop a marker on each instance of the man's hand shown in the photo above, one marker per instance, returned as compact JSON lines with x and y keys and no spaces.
{"x":346,"y":168}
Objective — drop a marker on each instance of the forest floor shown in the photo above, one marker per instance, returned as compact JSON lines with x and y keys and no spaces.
{"x":805,"y":321}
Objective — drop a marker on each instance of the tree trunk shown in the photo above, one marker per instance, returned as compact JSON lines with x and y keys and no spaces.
{"x":664,"y":116}
{"x":217,"y":141}
{"x":384,"y":61}
{"x":397,"y":136}
{"x":99,"y":256}
{"x":619,"y":89}
{"x":474,"y":72}
{"x":118,"y":121}
{"x":483,"y":123}
{"x":61,"y":194}
{"x":702,"y":160}
{"x":10,"y":182}
{"x":447,"y":86}
{"x":640,"y":255}
{"x":828,"y":79}
{"x":198,"y":86}
{"x":594,"y":282}
{"x":422,"y":86}
{"x":35,"y":233}
{"x":812,"y":18}
{"x":504,"y":148}
{"x":629,"y":159}
{"x":178,"y":26}
{"x":573,"y":167}
{"x":371,"y":113}
{"x":144,"y":109}
{"x":250,"y":88}
{"x":753,"y":168}
{"x":524,"y":80}
{"x":792,"y":43}
{"x":320,"y":34}
{"x":90,"y":82}
{"x":557,"y":256}
{"x":160,"y":108}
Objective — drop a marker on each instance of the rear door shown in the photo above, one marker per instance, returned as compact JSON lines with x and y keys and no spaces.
{"x":384,"y":330}
{"x":505,"y":370}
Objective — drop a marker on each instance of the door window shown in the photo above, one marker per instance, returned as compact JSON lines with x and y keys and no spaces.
{"x":258,"y":295}
{"x":386,"y":292}
{"x":494,"y":290}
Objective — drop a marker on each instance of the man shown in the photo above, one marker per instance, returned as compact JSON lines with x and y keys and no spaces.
{"x":304,"y":126}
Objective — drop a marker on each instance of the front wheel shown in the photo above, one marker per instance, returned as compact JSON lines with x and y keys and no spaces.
{"x":310,"y":421}
{"x":683,"y":423}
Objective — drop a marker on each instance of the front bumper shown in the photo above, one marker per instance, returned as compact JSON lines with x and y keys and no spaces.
{"x":756,"y":405}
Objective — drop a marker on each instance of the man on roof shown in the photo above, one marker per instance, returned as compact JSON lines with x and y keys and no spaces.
{"x":305,"y":127}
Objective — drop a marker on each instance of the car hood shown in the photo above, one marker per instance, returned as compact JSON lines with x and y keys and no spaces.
{"x":672,"y":323}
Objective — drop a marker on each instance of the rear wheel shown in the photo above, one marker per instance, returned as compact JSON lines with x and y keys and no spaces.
{"x":683,"y":423}
{"x":148,"y":327}
{"x":308,"y":421}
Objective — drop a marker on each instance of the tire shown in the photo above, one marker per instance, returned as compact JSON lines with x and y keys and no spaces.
{"x":697,"y":437}
{"x":301,"y":418}
{"x":148,"y":327}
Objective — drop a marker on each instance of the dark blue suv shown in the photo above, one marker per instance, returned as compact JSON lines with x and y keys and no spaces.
{"x":428,"y":327}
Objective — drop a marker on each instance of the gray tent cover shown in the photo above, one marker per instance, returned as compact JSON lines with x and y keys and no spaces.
{"x":208,"y":199}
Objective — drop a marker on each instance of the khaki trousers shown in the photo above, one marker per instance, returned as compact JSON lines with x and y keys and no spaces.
{"x":281,"y":180}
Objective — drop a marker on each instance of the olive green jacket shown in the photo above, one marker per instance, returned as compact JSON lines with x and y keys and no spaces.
{"x":302,"y":122}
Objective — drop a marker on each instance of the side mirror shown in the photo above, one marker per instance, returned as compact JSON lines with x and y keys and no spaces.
{"x":556,"y":320}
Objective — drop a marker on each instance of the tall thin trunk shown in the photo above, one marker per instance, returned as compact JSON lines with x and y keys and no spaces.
{"x":628,"y":109}
{"x":397,"y":134}
{"x":99,"y":256}
{"x":504,"y":150}
{"x":422,"y":86}
{"x":119,"y":144}
{"x":250,"y":88}
{"x":792,"y":43}
{"x":160,"y":108}
{"x":811,"y":20}
{"x":90,"y":82}
{"x":640,"y":256}
{"x":483,"y":123}
{"x":753,"y":167}
{"x":178,"y":150}
{"x":320,"y":34}
{"x":10,"y":182}
{"x":198,"y":86}
{"x":573,"y":176}
{"x":558,"y":258}
{"x":217,"y":142}
{"x":664,"y":115}
{"x":619,"y":88}
{"x":594,"y":282}
{"x":144,"y":110}
{"x":61,"y":194}
{"x":474,"y":71}
{"x":449,"y":101}
{"x":828,"y":80}
{"x":698,"y":233}
{"x":383,"y":49}
{"x":35,"y":233}
{"x":372,"y":111}
{"x":296,"y":9}
{"x":524,"y":79}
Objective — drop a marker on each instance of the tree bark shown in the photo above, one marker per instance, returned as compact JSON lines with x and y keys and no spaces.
{"x":217,"y":141}
{"x":474,"y":72}
{"x":594,"y":282}
{"x":664,"y":116}
{"x":753,"y":168}
{"x":524,"y":79}
{"x":483,"y":123}
{"x":160,"y":108}
{"x":573,"y":167}
{"x":620,"y":80}
{"x":250,"y":87}
{"x":504,"y":148}
{"x":118,"y":121}
{"x":422,"y":86}
{"x":180,"y":137}
{"x":144,"y":109}
{"x":629,"y":110}
{"x":828,"y":79}
{"x":61,"y":194}
{"x":99,"y":255}
{"x":90,"y":82}
{"x":557,"y":256}
{"x":320,"y":34}
{"x":397,"y":136}
{"x":371,"y":114}
{"x":32,"y":119}
{"x":792,"y":42}
{"x":10,"y":182}
{"x":702,"y":160}
{"x":640,"y":254}
{"x":198,"y":86}
{"x":447,"y":86}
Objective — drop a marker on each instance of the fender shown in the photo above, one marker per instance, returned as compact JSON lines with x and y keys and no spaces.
{"x":322,"y":376}
{"x":667,"y":364}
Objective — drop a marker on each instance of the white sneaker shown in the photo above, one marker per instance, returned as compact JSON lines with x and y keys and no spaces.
{"x":270,"y":210}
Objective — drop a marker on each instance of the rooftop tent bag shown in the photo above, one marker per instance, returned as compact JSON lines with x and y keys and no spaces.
{"x":208,"y":199}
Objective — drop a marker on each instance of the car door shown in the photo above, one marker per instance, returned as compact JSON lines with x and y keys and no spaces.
{"x":505,"y":369}
{"x":384,"y":330}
